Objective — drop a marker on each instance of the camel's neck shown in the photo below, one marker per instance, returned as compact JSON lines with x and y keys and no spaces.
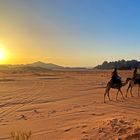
{"x":126,"y":82}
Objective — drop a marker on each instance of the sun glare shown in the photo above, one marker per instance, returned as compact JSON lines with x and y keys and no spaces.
{"x":2,"y":54}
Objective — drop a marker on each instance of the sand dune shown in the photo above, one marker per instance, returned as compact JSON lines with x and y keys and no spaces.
{"x":67,"y":106}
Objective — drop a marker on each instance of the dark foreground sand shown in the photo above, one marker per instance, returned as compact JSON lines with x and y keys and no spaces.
{"x":67,"y":106}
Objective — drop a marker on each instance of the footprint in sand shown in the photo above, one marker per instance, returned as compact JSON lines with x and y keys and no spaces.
{"x":76,"y":106}
{"x":84,"y":132}
{"x":35,"y":111}
{"x":52,"y":112}
{"x":4,"y":124}
{"x":68,"y":129}
{"x":84,"y":126}
{"x":22,"y":117}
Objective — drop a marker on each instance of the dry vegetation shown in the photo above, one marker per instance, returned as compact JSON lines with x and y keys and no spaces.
{"x":20,"y":135}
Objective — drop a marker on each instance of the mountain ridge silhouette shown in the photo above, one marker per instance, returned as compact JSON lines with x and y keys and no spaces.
{"x":120,"y":64}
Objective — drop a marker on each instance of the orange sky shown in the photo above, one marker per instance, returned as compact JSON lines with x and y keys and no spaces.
{"x":66,"y":33}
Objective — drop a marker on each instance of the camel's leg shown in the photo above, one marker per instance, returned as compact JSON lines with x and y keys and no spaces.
{"x":128,"y":90}
{"x":117,"y":94}
{"x":139,"y":91}
{"x":131,"y":91}
{"x":132,"y":85}
{"x":106,"y":93}
{"x":122,"y":94}
{"x":108,"y":96}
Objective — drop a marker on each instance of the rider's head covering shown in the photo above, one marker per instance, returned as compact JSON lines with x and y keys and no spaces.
{"x":115,"y":69}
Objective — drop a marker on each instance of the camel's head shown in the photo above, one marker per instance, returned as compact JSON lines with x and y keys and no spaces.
{"x":128,"y":79}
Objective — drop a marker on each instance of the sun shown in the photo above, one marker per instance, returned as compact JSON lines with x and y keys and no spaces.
{"x":3,"y":54}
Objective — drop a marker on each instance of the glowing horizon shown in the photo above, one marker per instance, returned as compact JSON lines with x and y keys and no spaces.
{"x":69,"y":33}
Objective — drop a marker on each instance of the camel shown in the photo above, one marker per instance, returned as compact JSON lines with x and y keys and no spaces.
{"x":132,"y":84}
{"x":115,"y":86}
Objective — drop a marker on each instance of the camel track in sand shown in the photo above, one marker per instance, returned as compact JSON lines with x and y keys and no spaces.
{"x":20,"y":92}
{"x":19,"y":103}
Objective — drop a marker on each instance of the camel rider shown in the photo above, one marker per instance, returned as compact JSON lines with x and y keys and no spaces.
{"x":116,"y":79}
{"x":136,"y":77}
{"x":135,"y":73}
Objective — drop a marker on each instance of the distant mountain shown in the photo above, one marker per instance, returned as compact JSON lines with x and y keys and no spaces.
{"x":49,"y":66}
{"x":29,"y":69}
{"x":121,"y":64}
{"x":33,"y":67}
{"x":39,"y":66}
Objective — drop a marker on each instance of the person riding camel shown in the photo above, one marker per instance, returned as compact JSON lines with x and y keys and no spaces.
{"x":135,"y":73}
{"x":116,"y":79}
{"x":136,"y":76}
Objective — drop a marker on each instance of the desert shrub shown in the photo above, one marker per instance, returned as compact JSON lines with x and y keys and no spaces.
{"x":19,"y":135}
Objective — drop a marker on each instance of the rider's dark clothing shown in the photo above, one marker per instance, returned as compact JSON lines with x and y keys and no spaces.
{"x":115,"y":77}
{"x":135,"y":78}
{"x":135,"y":73}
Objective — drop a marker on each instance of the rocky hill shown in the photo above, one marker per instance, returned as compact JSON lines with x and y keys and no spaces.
{"x":121,"y":64}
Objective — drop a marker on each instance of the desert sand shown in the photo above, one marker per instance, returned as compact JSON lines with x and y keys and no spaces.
{"x":67,"y":106}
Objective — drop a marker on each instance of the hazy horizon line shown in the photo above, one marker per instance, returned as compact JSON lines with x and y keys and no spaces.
{"x":32,"y":62}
